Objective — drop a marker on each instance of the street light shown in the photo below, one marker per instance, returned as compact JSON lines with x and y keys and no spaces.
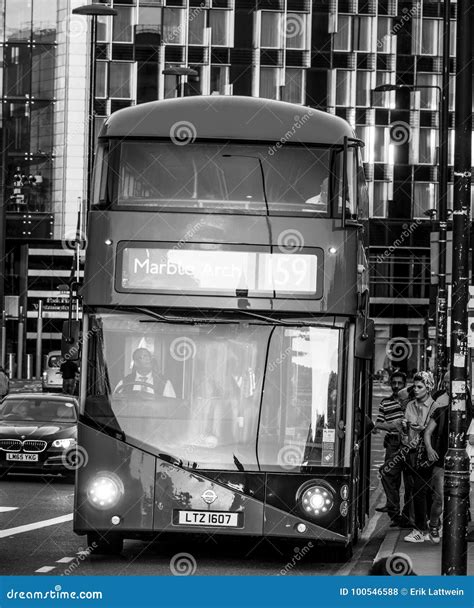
{"x":180,"y":72}
{"x":443,"y":109}
{"x":93,"y":10}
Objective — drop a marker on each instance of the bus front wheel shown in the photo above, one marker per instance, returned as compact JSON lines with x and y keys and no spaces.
{"x":104,"y":544}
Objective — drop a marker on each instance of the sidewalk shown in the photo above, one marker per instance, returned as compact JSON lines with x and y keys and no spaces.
{"x":424,"y":558}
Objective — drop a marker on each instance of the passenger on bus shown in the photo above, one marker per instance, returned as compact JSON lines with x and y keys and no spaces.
{"x":144,"y":378}
{"x":321,"y":199}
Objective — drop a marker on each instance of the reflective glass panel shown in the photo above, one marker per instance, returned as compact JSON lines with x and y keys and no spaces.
{"x":41,"y":128}
{"x":173,"y":26}
{"x":271,"y":32}
{"x":120,"y":84}
{"x":42,"y":75}
{"x":293,"y":89}
{"x":197,"y":20}
{"x":17,"y":70}
{"x":122,"y":25}
{"x":342,"y":38}
{"x":224,"y":177}
{"x":295,"y":30}
{"x":219,"y":23}
{"x":44,"y":20}
{"x":18,"y":20}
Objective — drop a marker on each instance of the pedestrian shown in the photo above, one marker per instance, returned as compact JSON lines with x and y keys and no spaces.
{"x":417,"y":415}
{"x":4,"y":383}
{"x":390,"y":417}
{"x":436,"y":442}
{"x":69,"y":370}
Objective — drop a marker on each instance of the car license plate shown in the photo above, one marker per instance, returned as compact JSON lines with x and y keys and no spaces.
{"x":208,"y":518}
{"x":23,"y":457}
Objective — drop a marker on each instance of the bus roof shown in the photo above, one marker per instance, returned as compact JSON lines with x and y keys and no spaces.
{"x":228,"y":117}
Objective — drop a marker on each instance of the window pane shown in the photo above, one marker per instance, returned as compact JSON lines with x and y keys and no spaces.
{"x":363,"y":89}
{"x":149,"y":15}
{"x":268,"y":83}
{"x":101,"y":79}
{"x":219,"y":23}
{"x":197,"y":21}
{"x":342,"y":38}
{"x":103,"y":26}
{"x":295,"y":30}
{"x":41,"y":128}
{"x":427,"y":147}
{"x":271,"y":30}
{"x":430,"y":37}
{"x":42,"y":74}
{"x":362,"y":37}
{"x":194,"y":84}
{"x":384,"y":34}
{"x":425,"y":198}
{"x":379,"y":145}
{"x":28,"y":186}
{"x":429,"y":98}
{"x":122,"y":24}
{"x":18,"y":20}
{"x":219,"y":77}
{"x":380,"y":199}
{"x":171,"y":84}
{"x":173,"y":26}
{"x":120,"y":75}
{"x":17,"y":70}
{"x":293,"y":89}
{"x":18,"y":126}
{"x":44,"y":20}
{"x":343,"y":87}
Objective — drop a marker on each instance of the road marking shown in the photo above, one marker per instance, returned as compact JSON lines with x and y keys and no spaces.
{"x":6,"y":509}
{"x":35,"y":526}
{"x":65,"y":560}
{"x":45,"y":569}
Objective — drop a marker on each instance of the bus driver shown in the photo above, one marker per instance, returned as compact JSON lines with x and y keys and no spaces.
{"x":144,"y":378}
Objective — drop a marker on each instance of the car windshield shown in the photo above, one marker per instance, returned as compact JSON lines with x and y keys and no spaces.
{"x":234,"y":395}
{"x":54,"y":361}
{"x":37,"y":410}
{"x":224,"y":176}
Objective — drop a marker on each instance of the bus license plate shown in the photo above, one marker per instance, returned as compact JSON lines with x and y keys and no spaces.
{"x":23,"y":457}
{"x":208,"y":518}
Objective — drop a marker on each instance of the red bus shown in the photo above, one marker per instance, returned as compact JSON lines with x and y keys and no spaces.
{"x":225,"y":350}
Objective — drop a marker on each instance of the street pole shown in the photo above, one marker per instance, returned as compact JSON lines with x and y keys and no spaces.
{"x":456,"y":466}
{"x":441,"y":300}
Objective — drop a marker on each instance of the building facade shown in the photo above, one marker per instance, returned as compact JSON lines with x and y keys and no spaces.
{"x":328,"y":54}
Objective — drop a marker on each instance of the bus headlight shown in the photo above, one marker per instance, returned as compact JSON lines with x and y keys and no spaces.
{"x":315,"y":499}
{"x":105,"y":490}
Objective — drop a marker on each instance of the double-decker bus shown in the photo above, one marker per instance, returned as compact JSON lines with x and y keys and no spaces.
{"x":226,"y":349}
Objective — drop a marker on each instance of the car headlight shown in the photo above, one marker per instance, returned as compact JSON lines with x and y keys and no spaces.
{"x":64,"y":443}
{"x":105,"y":490}
{"x":315,"y":500}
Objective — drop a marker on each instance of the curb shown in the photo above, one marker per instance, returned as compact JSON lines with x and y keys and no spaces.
{"x":388,"y":545}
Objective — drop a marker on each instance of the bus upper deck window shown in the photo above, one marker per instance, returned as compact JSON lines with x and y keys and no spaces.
{"x":99,"y":192}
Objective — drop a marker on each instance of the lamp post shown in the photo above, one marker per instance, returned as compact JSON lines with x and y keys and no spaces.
{"x":443,"y":109}
{"x":180,"y":72}
{"x":93,"y":10}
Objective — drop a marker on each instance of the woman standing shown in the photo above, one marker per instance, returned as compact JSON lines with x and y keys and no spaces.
{"x":417,"y":415}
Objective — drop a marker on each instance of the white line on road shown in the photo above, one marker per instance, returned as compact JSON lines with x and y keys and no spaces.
{"x":45,"y":569}
{"x":6,"y":509}
{"x":35,"y":526}
{"x":65,"y":560}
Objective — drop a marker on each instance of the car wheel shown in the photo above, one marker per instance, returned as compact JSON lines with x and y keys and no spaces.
{"x":104,"y":544}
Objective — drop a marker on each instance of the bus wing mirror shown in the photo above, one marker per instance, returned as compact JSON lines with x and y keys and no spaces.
{"x":70,"y":340}
{"x":364,"y":338}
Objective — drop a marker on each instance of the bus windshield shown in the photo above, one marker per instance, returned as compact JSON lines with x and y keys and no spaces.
{"x":226,"y":396}
{"x":223,"y":177}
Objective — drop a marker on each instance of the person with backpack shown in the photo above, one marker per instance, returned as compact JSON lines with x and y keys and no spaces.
{"x":4,"y":383}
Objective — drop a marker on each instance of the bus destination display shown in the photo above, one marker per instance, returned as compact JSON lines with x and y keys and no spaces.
{"x":223,"y":272}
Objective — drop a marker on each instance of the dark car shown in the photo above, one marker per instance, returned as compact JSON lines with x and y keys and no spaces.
{"x":38,"y":433}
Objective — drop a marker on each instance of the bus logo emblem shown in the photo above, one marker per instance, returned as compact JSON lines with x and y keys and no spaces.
{"x":209,"y":496}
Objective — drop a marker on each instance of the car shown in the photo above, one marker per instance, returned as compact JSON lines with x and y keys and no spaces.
{"x":38,"y":434}
{"x":52,"y":377}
